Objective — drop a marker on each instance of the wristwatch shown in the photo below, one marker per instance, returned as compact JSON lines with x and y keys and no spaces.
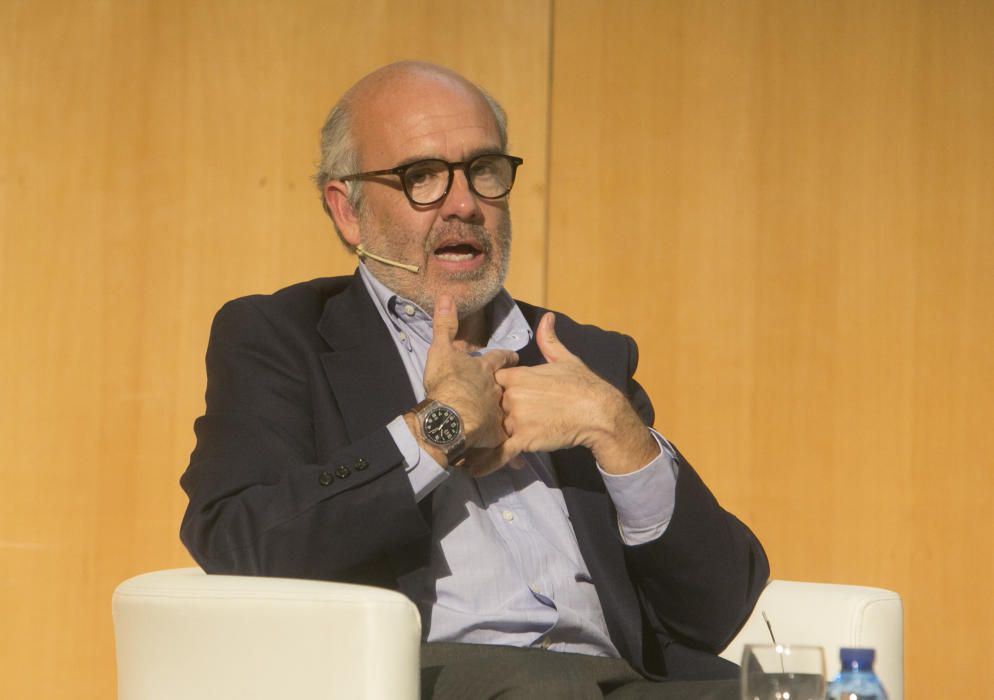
{"x":442,"y":427}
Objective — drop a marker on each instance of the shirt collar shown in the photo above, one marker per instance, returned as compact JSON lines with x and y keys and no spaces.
{"x":508,"y":328}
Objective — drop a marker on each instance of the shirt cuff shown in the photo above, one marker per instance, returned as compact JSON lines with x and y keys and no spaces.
{"x":645,"y":499}
{"x":423,"y":471}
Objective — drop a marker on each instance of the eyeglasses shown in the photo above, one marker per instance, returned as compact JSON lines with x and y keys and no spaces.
{"x":490,"y":176}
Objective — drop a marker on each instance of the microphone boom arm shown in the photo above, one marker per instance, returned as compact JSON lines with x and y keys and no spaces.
{"x":363,"y":253}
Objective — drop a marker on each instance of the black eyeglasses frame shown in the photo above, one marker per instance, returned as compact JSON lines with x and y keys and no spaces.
{"x":462,"y":165}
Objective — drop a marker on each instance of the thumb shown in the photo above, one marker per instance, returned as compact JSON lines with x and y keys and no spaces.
{"x":548,"y":341}
{"x":444,"y":321}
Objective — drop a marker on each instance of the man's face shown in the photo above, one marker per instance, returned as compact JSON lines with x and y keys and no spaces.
{"x":461,"y":243}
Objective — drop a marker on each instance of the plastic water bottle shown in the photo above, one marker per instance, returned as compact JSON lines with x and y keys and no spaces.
{"x":856,"y":681}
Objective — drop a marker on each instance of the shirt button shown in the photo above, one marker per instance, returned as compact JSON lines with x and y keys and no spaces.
{"x":546,"y":643}
{"x":409,"y":309}
{"x":325,"y":478}
{"x":508,"y":515}
{"x":342,"y":471}
{"x":403,"y":336}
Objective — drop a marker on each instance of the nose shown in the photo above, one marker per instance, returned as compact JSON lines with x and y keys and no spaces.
{"x":460,"y":203}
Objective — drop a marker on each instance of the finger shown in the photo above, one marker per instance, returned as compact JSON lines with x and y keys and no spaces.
{"x":548,"y":341}
{"x":499,"y":359}
{"x":481,"y":461}
{"x":499,"y":428}
{"x":504,"y":377}
{"x":508,"y":426}
{"x":484,"y":467}
{"x":445,"y":321}
{"x":490,"y":461}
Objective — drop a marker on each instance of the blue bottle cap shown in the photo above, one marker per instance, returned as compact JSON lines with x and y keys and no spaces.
{"x":856,"y":659}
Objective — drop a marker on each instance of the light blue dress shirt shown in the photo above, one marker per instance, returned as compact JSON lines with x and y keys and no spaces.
{"x":505,"y":566}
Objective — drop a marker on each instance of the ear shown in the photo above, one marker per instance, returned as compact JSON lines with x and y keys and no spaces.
{"x":346,"y":218}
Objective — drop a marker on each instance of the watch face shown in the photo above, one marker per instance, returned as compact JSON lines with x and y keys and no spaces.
{"x":442,"y":425}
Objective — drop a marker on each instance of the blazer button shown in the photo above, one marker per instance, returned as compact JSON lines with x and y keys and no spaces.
{"x":325,"y":478}
{"x":360,"y":464}
{"x":342,"y":471}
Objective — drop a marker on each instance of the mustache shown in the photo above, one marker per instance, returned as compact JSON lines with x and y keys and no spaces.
{"x":462,"y":232}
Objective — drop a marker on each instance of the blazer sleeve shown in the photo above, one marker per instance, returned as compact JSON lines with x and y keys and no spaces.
{"x":262,"y":501}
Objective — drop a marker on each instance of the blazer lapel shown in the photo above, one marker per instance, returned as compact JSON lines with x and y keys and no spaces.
{"x":366,"y":374}
{"x":596,"y":527}
{"x":370,"y":385}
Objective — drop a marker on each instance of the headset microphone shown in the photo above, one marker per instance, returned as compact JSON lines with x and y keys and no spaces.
{"x":363,"y":253}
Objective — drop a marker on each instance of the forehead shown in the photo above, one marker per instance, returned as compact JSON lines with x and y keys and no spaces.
{"x":422,"y":116}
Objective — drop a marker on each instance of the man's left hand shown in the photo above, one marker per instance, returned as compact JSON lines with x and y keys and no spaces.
{"x":563,"y":404}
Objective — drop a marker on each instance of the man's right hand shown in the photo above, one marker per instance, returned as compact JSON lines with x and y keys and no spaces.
{"x":464,"y":382}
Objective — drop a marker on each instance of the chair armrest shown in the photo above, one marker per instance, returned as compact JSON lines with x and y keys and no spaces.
{"x":831,"y":616}
{"x":183,"y":634}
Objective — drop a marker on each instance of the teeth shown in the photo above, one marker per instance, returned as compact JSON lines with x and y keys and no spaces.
{"x":455,"y":257}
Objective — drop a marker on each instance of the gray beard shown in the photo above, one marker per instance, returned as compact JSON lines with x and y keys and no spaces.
{"x":399,"y":280}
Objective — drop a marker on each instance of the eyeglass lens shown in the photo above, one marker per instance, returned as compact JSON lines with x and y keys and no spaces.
{"x":489,"y":176}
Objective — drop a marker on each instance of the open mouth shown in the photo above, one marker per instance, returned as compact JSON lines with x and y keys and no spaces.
{"x":458,"y":251}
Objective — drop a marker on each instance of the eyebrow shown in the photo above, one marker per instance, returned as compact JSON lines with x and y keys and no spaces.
{"x":475,"y":153}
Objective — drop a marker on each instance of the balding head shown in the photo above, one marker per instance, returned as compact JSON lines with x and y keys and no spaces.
{"x":381,"y":97}
{"x":411,"y":76}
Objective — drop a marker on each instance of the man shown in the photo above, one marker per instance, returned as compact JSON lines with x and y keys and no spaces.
{"x":414,"y":427}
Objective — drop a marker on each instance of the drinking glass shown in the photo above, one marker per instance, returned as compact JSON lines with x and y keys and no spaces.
{"x":782,"y":672}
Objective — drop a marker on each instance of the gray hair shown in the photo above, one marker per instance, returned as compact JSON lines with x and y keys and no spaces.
{"x":340,"y":156}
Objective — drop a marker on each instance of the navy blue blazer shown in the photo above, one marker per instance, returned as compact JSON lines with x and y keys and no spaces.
{"x":294,"y":474}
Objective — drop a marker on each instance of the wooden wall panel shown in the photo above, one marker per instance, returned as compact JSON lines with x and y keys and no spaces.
{"x":154,"y":162}
{"x":788,"y":203}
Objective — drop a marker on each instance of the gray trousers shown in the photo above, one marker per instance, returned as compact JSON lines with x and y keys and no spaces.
{"x":478,"y":671}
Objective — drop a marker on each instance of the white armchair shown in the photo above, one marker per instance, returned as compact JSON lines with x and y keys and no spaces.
{"x":831,"y":616}
{"x":183,"y":634}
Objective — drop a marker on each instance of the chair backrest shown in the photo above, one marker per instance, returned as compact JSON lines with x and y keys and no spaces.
{"x":831,"y":616}
{"x":183,"y":634}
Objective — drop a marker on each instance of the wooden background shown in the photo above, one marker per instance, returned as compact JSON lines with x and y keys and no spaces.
{"x":787,"y":202}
